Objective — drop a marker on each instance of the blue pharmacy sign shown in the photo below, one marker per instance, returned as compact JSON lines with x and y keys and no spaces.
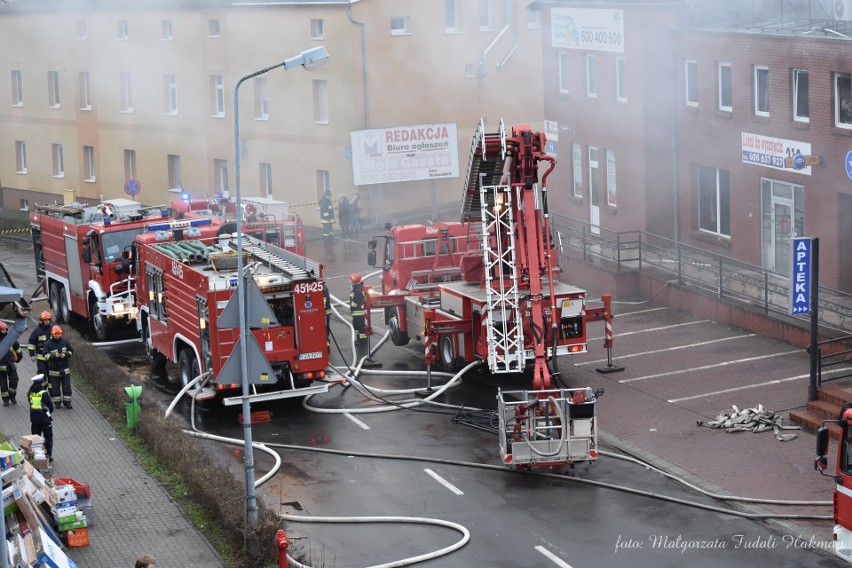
{"x":849,"y":164}
{"x":800,"y":276}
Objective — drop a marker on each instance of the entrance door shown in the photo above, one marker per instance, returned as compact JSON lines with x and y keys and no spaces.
{"x":781,"y":234}
{"x":594,"y":191}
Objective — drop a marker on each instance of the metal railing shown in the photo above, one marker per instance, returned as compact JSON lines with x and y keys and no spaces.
{"x":834,"y":364}
{"x":726,"y":277}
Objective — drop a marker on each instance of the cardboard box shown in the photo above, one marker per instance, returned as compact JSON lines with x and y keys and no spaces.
{"x":10,"y":458}
{"x":52,"y":555}
{"x":69,"y":517}
{"x":78,"y":524}
{"x":77,"y":537}
{"x":41,"y":463}
{"x":30,"y":441}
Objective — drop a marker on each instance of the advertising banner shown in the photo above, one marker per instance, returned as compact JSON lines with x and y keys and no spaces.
{"x":589,"y":29}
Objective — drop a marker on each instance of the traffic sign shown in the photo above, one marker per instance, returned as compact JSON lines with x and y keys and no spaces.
{"x":132,"y":187}
{"x":849,"y":164}
{"x":800,"y":279}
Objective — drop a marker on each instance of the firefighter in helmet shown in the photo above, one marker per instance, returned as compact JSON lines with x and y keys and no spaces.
{"x":41,"y":413}
{"x":57,"y":353}
{"x":357,"y":307}
{"x":326,"y":207}
{"x":8,"y":369}
{"x":38,"y":338}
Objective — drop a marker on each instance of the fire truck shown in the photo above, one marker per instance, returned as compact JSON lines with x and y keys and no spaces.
{"x":264,"y":218}
{"x":185,"y":282}
{"x":487,"y":289}
{"x":81,"y":259}
{"x":842,"y":533}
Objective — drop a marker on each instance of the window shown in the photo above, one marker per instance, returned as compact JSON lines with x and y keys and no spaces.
{"x":533,"y":19}
{"x":81,"y":29}
{"x":266,"y":179}
{"x":85,"y":96}
{"x":217,"y":96}
{"x":399,"y":25}
{"x":691,"y":80}
{"x":129,"y":164}
{"x":17,"y":88}
{"x":126,"y":93}
{"x":591,"y":80}
{"x":58,"y":161}
{"x":317,"y":29}
{"x":714,"y":201}
{"x":323,"y":183}
{"x":213,"y":28}
{"x":166,"y":29}
{"x":25,"y":204}
{"x":53,"y":89}
{"x":726,"y":102}
{"x":577,"y":157}
{"x":594,"y":178}
{"x":621,"y":79}
{"x":261,"y":99}
{"x":174,"y":171}
{"x":20,"y":157}
{"x":320,"y":100}
{"x":451,"y":16}
{"x":170,"y":94}
{"x":89,"y":163}
{"x":801,"y":112}
{"x":485,"y":15}
{"x":220,"y":172}
{"x":122,"y":29}
{"x":563,"y":73}
{"x":761,"y":90}
{"x":610,"y":179}
{"x":843,"y":100}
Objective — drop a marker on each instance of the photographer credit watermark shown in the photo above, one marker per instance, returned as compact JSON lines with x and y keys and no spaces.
{"x":735,"y":542}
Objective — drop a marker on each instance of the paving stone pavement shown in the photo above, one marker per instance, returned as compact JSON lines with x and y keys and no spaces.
{"x":133,"y":514}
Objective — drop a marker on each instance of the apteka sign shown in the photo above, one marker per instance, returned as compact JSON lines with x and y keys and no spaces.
{"x":800,"y":280}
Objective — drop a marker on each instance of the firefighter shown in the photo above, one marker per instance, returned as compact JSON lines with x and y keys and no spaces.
{"x":357,"y":307}
{"x":57,"y":353}
{"x":326,"y":208}
{"x":41,"y":413}
{"x":8,"y":369}
{"x":38,"y":338}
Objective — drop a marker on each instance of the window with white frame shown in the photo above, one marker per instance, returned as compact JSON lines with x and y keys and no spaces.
{"x":53,"y":89}
{"x":399,"y":25}
{"x":126,"y":92}
{"x":213,"y":28}
{"x":317,"y":28}
{"x":801,"y":112}
{"x":266,"y":179}
{"x":217,"y":96}
{"x":81,"y":29}
{"x":611,"y":192}
{"x":323,"y":183}
{"x":726,"y":97}
{"x":85,"y":93}
{"x":261,"y":98}
{"x":170,"y":94}
{"x":591,"y":77}
{"x":20,"y":157}
{"x":621,"y":79}
{"x":451,"y":16}
{"x":129,"y":164}
{"x":174,"y":171}
{"x":17,"y":88}
{"x":166,"y":29}
{"x":58,"y":161}
{"x":594,"y":177}
{"x":564,"y":76}
{"x":761,"y":90}
{"x":533,"y":19}
{"x":577,"y":159}
{"x":485,"y":15}
{"x":220,"y":173}
{"x":89,"y":163}
{"x":843,"y":100}
{"x":320,"y":100}
{"x":691,"y":81}
{"x":714,"y":200}
{"x":25,"y":204}
{"x":122,"y":29}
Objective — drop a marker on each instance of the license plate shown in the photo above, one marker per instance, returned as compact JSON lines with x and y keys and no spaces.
{"x":314,"y":355}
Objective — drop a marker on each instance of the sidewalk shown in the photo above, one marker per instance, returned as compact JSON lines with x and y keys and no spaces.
{"x":133,"y":514}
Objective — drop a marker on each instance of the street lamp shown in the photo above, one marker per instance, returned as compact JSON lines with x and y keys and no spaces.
{"x":310,"y":59}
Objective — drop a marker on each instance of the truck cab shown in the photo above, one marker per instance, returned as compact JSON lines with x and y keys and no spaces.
{"x":842,"y":533}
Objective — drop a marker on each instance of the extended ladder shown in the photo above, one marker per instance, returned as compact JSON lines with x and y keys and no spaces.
{"x":484,"y":167}
{"x":271,"y":256}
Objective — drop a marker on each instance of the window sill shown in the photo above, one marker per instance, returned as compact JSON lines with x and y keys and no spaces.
{"x":318,"y":38}
{"x":18,"y":105}
{"x":54,"y":106}
{"x":166,"y":39}
{"x":126,"y":111}
{"x":453,"y":31}
{"x":22,"y":172}
{"x":264,"y":118}
{"x":60,"y":176}
{"x":717,"y":239}
{"x":400,"y":33}
{"x":321,"y":121}
{"x":171,"y":113}
{"x":86,"y":108}
{"x":89,"y":180}
{"x":222,"y":115}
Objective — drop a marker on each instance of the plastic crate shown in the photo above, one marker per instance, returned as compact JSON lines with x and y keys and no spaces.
{"x":77,"y":537}
{"x":81,"y":489}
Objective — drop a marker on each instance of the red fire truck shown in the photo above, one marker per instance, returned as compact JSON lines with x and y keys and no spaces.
{"x":81,"y":262}
{"x":264,"y":218}
{"x":842,"y":476}
{"x":184,"y":286}
{"x":487,"y":289}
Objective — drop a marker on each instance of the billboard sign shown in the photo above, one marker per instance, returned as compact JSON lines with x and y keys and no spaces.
{"x":589,"y":29}
{"x":773,"y":152}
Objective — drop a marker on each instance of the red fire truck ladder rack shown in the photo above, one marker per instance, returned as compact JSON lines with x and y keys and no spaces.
{"x":279,"y":260}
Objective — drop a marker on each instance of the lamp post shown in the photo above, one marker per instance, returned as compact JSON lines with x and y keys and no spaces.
{"x":310,"y":59}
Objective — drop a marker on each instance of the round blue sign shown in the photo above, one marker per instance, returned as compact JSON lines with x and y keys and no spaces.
{"x":132,"y":187}
{"x":798,"y":162}
{"x":849,"y":164}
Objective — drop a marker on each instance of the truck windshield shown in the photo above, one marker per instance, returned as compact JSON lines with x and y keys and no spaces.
{"x":846,"y":451}
{"x":114,"y":242}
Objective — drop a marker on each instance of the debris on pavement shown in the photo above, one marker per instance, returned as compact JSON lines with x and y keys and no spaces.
{"x":756,"y":419}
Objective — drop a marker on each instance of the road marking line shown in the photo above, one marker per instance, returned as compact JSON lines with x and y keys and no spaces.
{"x":705,"y":367}
{"x":356,"y":421}
{"x":625,"y":314}
{"x":556,"y":560}
{"x":725,"y":391}
{"x":661,"y":328}
{"x":699,"y":344}
{"x":444,"y":482}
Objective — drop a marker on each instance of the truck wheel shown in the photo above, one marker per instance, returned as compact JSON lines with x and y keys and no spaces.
{"x":53,"y":296}
{"x":64,"y":310}
{"x":447,"y":349}
{"x":188,"y":365}
{"x":99,"y":322}
{"x":158,"y":360}
{"x":397,"y":336}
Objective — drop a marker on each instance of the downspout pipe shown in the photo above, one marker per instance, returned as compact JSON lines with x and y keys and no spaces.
{"x":363,"y":27}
